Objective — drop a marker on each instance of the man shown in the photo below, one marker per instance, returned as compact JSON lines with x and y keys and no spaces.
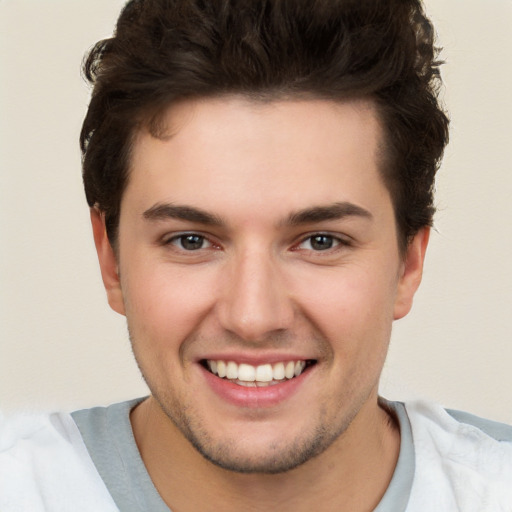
{"x":260,"y":178}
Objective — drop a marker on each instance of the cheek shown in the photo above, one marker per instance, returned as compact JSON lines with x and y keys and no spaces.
{"x":352,"y":307}
{"x":163,"y":304}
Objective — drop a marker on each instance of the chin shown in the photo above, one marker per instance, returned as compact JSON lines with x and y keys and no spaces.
{"x":258,"y":453}
{"x":276,"y":459}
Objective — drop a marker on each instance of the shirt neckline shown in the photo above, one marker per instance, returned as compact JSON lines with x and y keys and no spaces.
{"x":108,"y":436}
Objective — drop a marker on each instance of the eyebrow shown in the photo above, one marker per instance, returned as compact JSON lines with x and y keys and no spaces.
{"x":163,"y":211}
{"x":335,"y":211}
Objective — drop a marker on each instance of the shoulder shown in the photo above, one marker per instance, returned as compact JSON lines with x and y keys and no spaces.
{"x":462,"y":461}
{"x":30,"y":436}
{"x":453,"y":424}
{"x":44,"y":465}
{"x":496,"y":430}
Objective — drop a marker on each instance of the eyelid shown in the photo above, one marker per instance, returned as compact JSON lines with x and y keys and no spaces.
{"x":170,"y":238}
{"x":340,"y":241}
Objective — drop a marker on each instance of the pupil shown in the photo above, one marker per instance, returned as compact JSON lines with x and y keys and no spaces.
{"x":192,"y":242}
{"x":321,"y":242}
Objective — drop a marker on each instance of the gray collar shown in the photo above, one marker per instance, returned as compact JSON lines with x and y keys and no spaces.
{"x":108,"y":435}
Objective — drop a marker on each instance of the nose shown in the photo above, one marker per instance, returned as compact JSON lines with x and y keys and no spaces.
{"x":255,"y":303}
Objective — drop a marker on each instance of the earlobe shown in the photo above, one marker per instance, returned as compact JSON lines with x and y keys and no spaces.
{"x":108,"y":262}
{"x":411,"y":273}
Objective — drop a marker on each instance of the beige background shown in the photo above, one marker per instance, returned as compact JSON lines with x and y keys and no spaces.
{"x":61,"y":346}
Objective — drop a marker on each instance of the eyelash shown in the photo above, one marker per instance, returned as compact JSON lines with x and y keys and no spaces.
{"x":336,"y":242}
{"x":175,"y":240}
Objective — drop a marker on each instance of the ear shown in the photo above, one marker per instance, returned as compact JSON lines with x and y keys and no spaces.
{"x":108,"y":262}
{"x":411,"y":273}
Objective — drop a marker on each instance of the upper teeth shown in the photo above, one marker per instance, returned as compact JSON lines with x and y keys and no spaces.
{"x":261,"y":373}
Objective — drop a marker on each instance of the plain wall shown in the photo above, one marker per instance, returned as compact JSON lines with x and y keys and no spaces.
{"x":61,"y":346}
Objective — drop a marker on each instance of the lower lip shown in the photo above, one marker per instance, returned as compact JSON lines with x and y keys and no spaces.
{"x":254,"y":397}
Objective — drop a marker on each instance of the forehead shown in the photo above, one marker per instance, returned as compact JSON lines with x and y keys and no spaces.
{"x":278,"y":156}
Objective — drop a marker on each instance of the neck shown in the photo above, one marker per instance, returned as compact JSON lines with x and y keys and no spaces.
{"x":351,"y":475}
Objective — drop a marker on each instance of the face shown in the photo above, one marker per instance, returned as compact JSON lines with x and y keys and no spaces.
{"x":259,"y":273}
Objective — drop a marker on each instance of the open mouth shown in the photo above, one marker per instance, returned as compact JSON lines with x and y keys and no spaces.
{"x":262,"y":375}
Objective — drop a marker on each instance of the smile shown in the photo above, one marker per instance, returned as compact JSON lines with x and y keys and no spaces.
{"x":262,"y":375}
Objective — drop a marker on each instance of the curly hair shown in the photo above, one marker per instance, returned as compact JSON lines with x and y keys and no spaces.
{"x":164,"y":51}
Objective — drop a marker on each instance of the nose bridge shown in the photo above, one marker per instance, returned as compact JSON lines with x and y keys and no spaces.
{"x":255,"y":302}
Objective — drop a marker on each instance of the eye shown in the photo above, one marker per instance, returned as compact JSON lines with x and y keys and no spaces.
{"x":190,"y":242}
{"x":319,"y":242}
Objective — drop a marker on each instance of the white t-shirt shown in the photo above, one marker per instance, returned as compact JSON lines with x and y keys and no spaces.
{"x":45,"y":466}
{"x":88,"y":461}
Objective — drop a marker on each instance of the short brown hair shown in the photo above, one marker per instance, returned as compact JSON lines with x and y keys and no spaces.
{"x":168,"y":50}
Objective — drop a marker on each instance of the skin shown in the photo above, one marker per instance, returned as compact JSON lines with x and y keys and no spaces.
{"x":257,"y":289}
